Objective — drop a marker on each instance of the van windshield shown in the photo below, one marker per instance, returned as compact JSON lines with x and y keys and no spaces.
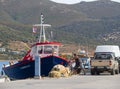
{"x":103,"y":56}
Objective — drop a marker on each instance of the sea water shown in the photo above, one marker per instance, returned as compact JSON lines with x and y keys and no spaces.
{"x":1,"y":65}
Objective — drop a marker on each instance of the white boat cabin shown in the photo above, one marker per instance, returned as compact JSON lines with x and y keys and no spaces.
{"x":45,"y":49}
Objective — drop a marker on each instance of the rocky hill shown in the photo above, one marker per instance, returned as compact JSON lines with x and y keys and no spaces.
{"x":83,"y":23}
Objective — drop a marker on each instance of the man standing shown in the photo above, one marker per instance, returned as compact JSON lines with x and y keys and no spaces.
{"x":77,"y":68}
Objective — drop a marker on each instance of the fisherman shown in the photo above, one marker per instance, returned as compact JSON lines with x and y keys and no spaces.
{"x":76,"y":69}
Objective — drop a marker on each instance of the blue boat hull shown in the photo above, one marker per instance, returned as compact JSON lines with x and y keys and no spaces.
{"x":26,"y":69}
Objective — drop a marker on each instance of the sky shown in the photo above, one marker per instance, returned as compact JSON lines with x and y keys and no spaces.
{"x":76,"y":1}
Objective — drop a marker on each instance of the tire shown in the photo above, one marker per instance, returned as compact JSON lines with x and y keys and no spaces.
{"x":117,"y":71}
{"x":119,"y":68}
{"x":92,"y":72}
{"x":98,"y":73}
{"x":112,"y":72}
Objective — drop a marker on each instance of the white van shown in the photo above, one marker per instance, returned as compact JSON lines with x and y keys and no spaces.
{"x":109,"y":48}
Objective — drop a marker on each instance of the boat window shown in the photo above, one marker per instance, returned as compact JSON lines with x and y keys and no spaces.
{"x":40,"y":50}
{"x":48,"y":49}
{"x":55,"y":48}
{"x":33,"y":50}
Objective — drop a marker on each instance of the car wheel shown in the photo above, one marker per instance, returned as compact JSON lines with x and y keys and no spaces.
{"x":117,"y":71}
{"x":98,"y":73}
{"x":112,"y":72}
{"x":92,"y":72}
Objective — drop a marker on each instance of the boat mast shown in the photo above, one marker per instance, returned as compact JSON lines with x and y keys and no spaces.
{"x":42,"y":37}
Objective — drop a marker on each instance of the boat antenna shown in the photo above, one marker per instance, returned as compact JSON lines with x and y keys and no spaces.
{"x":42,"y":33}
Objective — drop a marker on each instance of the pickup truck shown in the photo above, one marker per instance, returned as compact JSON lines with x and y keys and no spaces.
{"x":104,"y":60}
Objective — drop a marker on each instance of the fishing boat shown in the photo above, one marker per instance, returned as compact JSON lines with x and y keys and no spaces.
{"x":48,"y":52}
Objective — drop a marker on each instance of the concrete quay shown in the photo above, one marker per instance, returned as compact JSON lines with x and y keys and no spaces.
{"x":74,"y":82}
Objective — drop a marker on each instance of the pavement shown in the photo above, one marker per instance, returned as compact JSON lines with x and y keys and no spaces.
{"x":104,"y":81}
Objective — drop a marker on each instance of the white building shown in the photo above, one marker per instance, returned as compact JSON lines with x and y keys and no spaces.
{"x":2,"y":49}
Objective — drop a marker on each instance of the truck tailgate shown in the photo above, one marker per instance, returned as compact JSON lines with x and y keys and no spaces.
{"x":100,"y":62}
